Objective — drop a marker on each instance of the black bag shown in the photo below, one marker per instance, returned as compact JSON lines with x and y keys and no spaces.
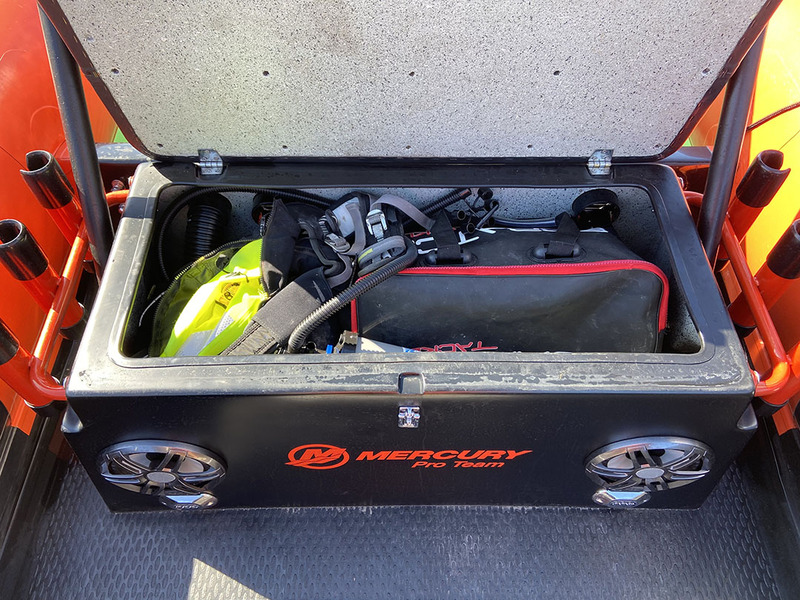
{"x":516,"y":290}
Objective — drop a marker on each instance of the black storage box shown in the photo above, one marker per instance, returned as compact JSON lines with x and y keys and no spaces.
{"x":414,"y":428}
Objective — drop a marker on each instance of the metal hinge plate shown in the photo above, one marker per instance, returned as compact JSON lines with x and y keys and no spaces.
{"x":210,"y":163}
{"x":599,"y":163}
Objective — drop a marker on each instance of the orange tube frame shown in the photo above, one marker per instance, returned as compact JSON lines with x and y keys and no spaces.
{"x":781,"y":373}
{"x":117,"y":197}
{"x":785,"y":417}
{"x":44,"y":383}
{"x":778,"y":358}
{"x":791,"y":391}
{"x":768,"y":389}
{"x":48,"y":388}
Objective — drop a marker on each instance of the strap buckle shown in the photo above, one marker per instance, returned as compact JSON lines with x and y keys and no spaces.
{"x":337,"y":242}
{"x":376,"y":223}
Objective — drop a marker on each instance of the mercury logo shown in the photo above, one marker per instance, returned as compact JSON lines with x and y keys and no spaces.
{"x":324,"y":456}
{"x":318,"y":456}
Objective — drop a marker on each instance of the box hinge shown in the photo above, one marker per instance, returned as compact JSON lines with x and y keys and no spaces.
{"x":210,"y":163}
{"x":599,"y":163}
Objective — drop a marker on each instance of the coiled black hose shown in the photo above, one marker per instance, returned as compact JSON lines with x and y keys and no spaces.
{"x":179,"y":203}
{"x":342,"y":299}
{"x":446,"y":201}
{"x":262,"y":201}
{"x":205,"y":224}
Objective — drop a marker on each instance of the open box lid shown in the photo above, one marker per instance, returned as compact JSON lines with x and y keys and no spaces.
{"x":488,"y":79}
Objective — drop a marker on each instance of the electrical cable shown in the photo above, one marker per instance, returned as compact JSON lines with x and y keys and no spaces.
{"x":773,"y":115}
{"x":342,"y":299}
{"x":545,"y":223}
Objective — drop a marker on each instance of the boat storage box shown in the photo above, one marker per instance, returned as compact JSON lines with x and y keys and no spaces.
{"x":537,"y":101}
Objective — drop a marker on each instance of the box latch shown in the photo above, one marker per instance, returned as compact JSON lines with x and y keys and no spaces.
{"x":210,"y":163}
{"x":408,"y":417}
{"x":599,"y":163}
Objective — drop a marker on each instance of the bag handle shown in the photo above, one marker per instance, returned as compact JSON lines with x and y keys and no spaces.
{"x":448,"y":250}
{"x":593,"y":208}
{"x":564,"y":242}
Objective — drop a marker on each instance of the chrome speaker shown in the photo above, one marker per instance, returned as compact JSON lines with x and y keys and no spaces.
{"x":630,"y":470}
{"x":180,"y":475}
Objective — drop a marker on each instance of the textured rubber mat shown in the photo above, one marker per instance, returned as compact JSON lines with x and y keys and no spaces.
{"x":83,"y":551}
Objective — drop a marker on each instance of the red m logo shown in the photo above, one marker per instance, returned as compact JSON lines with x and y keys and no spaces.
{"x":318,"y":456}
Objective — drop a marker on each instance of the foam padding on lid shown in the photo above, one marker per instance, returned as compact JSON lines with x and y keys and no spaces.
{"x":464,"y":78}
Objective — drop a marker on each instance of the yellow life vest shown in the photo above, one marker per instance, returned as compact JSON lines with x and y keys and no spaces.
{"x":208,"y":306}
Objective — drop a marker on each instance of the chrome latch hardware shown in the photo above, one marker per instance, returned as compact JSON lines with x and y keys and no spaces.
{"x":408,"y":417}
{"x":620,"y":499}
{"x":376,"y":222}
{"x":337,"y":242}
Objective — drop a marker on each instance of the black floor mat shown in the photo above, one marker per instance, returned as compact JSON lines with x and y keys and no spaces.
{"x":82,"y":551}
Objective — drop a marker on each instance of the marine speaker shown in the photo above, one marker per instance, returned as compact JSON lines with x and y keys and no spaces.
{"x":630,"y":470}
{"x":180,"y":475}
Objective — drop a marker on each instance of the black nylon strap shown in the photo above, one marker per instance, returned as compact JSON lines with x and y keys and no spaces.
{"x":404,"y":206}
{"x":360,"y":241}
{"x":274,"y":322}
{"x":277,"y":247}
{"x":447,"y":248}
{"x":564,"y":240}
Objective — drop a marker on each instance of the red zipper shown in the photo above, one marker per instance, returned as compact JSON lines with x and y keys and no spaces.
{"x":558,"y":269}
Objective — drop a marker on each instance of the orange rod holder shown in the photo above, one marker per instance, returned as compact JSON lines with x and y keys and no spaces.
{"x":45,"y":345}
{"x":693,"y":199}
{"x":779,"y":375}
{"x":14,"y":370}
{"x":22,"y":256}
{"x":791,"y":391}
{"x":781,"y":268}
{"x":785,"y":419}
{"x":51,"y":187}
{"x":27,"y":373}
{"x":768,"y":389}
{"x":762,"y":180}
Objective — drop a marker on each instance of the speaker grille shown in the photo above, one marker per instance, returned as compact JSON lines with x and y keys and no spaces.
{"x":651,"y":464}
{"x":162,"y":468}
